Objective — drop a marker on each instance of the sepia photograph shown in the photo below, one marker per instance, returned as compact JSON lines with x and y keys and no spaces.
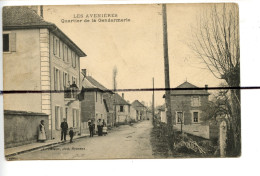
{"x":121,"y":81}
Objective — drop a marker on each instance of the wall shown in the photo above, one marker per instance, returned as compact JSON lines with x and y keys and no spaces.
{"x":100,"y":108}
{"x":122,"y":117}
{"x":88,"y":106}
{"x":21,"y":127}
{"x":195,"y":129}
{"x":133,"y":114}
{"x":21,"y":71}
{"x":163,"y":116}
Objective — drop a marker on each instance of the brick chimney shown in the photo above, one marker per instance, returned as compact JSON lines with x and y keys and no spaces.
{"x":84,"y":72}
{"x":38,"y":10}
{"x":123,"y":95}
{"x":206,"y":87}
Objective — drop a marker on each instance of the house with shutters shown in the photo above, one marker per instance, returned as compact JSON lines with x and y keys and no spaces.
{"x":39,"y":58}
{"x":187,"y":109}
{"x":94,"y":105}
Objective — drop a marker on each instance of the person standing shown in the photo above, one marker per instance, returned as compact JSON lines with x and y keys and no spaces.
{"x":42,"y":132}
{"x":71,"y":133}
{"x":64,"y":129}
{"x":91,"y":128}
{"x":99,"y":126}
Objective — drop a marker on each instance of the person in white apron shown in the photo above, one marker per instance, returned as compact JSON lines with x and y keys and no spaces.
{"x":42,"y":132}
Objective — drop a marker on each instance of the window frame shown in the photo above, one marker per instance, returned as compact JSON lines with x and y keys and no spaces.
{"x":192,"y":116}
{"x":193,"y":102}
{"x":9,"y":43}
{"x":178,"y":117}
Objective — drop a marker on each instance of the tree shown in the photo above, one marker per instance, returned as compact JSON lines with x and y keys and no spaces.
{"x":216,"y":43}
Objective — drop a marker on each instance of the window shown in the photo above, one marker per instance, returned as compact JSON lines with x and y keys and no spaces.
{"x":72,"y":58}
{"x":69,"y":55}
{"x":96,"y":96}
{"x":6,"y":45}
{"x":65,"y":79}
{"x":195,"y":117}
{"x":57,"y":79}
{"x":179,"y":117}
{"x":65,"y":53}
{"x":101,"y":98}
{"x":57,"y":117}
{"x":195,"y":101}
{"x":121,"y":108}
{"x":75,"y":114}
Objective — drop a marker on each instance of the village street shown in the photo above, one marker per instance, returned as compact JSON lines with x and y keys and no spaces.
{"x":123,"y":142}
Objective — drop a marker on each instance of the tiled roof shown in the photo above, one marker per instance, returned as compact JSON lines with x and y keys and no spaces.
{"x":191,"y":90}
{"x":22,"y":17}
{"x":90,"y":82}
{"x":137,"y":103}
{"x":119,"y":100}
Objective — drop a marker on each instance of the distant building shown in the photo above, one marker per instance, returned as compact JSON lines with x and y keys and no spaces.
{"x":122,"y":109}
{"x":93,"y":104}
{"x":141,"y":110}
{"x":187,"y":111}
{"x":38,"y":56}
{"x":162,"y":113}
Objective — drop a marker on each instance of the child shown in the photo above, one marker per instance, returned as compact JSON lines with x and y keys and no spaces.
{"x":105,"y":130}
{"x":71,"y":133}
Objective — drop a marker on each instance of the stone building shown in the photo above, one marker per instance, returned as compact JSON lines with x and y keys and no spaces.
{"x":39,"y":58}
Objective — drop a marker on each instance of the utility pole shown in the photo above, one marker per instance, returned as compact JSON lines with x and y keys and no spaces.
{"x":167,"y":78}
{"x":153,"y":101}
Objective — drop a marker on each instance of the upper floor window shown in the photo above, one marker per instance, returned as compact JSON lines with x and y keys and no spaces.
{"x":57,"y":79}
{"x":9,"y":41}
{"x":195,"y":117}
{"x":195,"y":101}
{"x":6,"y":45}
{"x":121,"y":108}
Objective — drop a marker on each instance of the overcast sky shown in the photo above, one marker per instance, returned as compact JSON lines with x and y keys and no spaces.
{"x":136,"y":47}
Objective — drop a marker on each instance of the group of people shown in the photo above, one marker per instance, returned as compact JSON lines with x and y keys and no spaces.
{"x":64,"y":128}
{"x":101,"y":127}
{"x":101,"y":130}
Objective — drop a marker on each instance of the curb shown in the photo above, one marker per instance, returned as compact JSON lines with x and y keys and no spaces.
{"x":43,"y":146}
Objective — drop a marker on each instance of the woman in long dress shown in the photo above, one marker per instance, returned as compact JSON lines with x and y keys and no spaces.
{"x":42,"y":133}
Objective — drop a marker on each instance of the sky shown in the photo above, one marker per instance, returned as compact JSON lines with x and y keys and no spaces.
{"x":135,"y":47}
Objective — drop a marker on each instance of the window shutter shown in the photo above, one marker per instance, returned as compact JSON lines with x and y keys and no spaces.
{"x":13,"y":42}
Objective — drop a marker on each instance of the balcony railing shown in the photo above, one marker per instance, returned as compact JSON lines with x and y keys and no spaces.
{"x":71,"y":92}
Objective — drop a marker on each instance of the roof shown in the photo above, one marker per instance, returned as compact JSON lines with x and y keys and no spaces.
{"x":137,"y":103}
{"x":88,"y":82}
{"x":119,"y":100}
{"x":22,"y":17}
{"x":187,"y":88}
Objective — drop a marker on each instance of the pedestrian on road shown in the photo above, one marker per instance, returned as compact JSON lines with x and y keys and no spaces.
{"x":91,"y":128}
{"x":64,"y":129}
{"x":42,"y":132}
{"x":71,"y":133}
{"x":99,"y":126}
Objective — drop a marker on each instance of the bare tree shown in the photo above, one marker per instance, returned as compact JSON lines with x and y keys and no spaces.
{"x":216,"y":42}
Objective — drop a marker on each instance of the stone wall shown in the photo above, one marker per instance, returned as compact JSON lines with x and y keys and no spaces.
{"x":21,"y":127}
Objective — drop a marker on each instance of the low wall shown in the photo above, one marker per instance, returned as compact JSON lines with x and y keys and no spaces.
{"x":21,"y":127}
{"x":195,"y":129}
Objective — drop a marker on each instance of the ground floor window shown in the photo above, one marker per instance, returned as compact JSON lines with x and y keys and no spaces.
{"x":57,"y":117}
{"x":179,"y":117}
{"x":75,"y":115}
{"x":195,"y":117}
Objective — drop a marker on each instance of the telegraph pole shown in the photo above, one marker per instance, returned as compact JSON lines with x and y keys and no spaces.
{"x":153,"y":101}
{"x":167,"y":78}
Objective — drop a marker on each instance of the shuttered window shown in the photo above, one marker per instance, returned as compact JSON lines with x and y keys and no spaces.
{"x":9,"y":42}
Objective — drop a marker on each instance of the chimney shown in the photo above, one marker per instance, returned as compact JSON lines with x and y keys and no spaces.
{"x":38,"y":10}
{"x":206,"y":87}
{"x":123,"y":95}
{"x":84,"y":72}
